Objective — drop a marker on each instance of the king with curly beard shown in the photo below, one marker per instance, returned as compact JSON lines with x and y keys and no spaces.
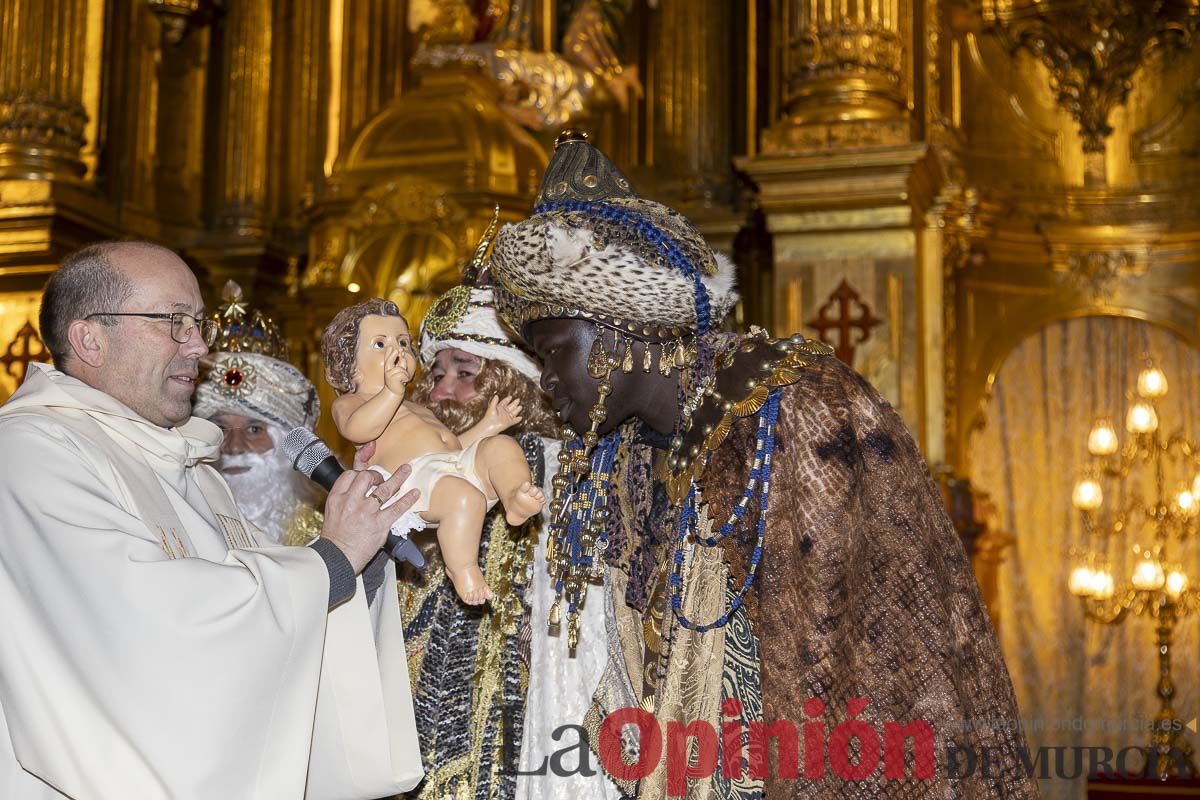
{"x":492,"y":685}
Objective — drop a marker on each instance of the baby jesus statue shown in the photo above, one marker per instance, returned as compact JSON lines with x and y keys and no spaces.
{"x":370,"y":359}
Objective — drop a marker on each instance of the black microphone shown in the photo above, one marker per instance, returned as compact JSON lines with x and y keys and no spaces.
{"x":313,"y":458}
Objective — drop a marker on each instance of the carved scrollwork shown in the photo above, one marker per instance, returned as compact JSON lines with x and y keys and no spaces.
{"x":1175,"y":134}
{"x":180,"y":16}
{"x":1097,"y":272}
{"x":35,"y":120}
{"x":541,"y":90}
{"x":844,"y":65}
{"x":1092,"y":49}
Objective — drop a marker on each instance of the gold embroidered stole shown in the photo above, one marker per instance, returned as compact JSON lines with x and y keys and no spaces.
{"x":137,"y":484}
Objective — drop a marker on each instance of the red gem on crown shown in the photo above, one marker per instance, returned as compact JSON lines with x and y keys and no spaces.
{"x":233,"y":378}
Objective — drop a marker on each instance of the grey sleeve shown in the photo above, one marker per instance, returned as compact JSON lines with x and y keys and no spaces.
{"x":373,"y":575}
{"x":341,"y":573}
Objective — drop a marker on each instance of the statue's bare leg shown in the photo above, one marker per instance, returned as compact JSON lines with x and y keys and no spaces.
{"x":459,"y":509}
{"x":501,"y":466}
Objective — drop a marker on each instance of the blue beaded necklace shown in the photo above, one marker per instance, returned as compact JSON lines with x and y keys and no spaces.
{"x":584,"y":511}
{"x":758,"y":482}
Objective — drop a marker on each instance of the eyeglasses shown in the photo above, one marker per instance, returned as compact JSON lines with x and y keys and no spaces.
{"x":182,"y":324}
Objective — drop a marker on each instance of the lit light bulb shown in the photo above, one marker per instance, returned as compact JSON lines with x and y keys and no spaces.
{"x":1176,"y":583}
{"x":1102,"y":584}
{"x":1102,"y":441}
{"x":1148,"y":575}
{"x":1187,"y":503}
{"x":1081,"y":581}
{"x":1088,"y":496}
{"x":1141,"y":418}
{"x":1152,"y":383}
{"x":354,"y":288}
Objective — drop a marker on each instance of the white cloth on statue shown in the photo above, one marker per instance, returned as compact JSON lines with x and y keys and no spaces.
{"x":127,"y":671}
{"x":427,"y":470}
{"x":560,"y":685}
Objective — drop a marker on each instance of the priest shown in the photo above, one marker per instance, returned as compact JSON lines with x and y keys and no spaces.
{"x":152,"y":646}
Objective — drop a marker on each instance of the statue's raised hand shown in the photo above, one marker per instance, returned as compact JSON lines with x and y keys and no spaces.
{"x":502,"y":413}
{"x":397,"y":371}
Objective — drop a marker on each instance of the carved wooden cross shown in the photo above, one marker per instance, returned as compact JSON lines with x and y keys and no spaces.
{"x":844,"y":297}
{"x":21,"y":352}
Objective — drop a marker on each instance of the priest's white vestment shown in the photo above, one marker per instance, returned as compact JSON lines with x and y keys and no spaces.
{"x":150,"y":649}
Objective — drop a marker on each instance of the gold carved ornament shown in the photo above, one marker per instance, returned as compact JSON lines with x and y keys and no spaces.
{"x":1092,"y":51}
{"x":677,"y":471}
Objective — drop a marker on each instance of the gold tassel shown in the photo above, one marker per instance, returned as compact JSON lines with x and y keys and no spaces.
{"x":645,"y":356}
{"x":664,"y":362}
{"x":627,"y":361}
{"x":555,"y":614}
{"x":572,"y":631}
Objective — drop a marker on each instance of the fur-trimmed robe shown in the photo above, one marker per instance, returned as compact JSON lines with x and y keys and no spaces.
{"x":864,"y":591}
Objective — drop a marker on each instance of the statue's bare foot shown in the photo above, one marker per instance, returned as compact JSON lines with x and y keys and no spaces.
{"x":522,"y":503}
{"x":470,"y":585}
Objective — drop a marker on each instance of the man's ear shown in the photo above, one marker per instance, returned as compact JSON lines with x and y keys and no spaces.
{"x":86,"y":343}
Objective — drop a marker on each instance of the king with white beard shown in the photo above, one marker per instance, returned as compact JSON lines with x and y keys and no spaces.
{"x":250,"y":391}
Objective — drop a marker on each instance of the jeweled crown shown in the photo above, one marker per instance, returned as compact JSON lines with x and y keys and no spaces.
{"x":244,"y":329}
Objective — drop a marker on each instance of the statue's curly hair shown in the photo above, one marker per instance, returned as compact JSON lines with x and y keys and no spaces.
{"x":339,"y":343}
{"x":495,"y":378}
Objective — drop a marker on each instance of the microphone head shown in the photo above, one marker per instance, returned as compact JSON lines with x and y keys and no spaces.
{"x":305,"y":450}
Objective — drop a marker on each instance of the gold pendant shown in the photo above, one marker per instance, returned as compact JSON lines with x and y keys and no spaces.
{"x":645,"y":356}
{"x":664,"y":363}
{"x":572,"y":630}
{"x":627,"y":361}
{"x":597,"y":363}
{"x":684,"y":355}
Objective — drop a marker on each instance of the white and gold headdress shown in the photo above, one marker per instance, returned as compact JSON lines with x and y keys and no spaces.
{"x":249,"y":374}
{"x":465,"y":318}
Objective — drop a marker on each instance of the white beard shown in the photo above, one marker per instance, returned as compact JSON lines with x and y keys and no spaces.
{"x":269,"y":491}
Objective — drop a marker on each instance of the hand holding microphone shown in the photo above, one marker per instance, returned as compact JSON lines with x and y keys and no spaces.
{"x":354,"y":517}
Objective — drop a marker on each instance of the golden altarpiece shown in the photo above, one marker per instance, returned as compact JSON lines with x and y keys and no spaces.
{"x":924,"y":184}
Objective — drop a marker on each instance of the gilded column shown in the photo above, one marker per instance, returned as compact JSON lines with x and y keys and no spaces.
{"x":245,"y":105}
{"x":42,"y":66}
{"x":301,"y":98}
{"x":690,"y":98}
{"x":368,"y":57}
{"x":851,"y":195}
{"x":179,"y":168}
{"x":843,"y":60}
{"x":133,"y":145}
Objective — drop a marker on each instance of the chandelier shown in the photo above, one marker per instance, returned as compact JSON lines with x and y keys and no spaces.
{"x":1117,"y":512}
